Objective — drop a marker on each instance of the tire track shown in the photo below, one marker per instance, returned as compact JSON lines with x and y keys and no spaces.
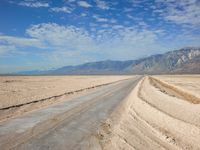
{"x":52,"y":123}
{"x":143,"y":125}
{"x":182,"y":143}
{"x":71,"y":111}
{"x":161,"y":110}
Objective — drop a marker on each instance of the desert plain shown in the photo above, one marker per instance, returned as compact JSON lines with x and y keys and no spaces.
{"x":15,"y":90}
{"x":21,"y":94}
{"x":160,"y":112}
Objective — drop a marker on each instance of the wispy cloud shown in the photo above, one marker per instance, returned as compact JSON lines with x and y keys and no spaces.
{"x":117,"y":26}
{"x":105,"y":25}
{"x":128,"y":9}
{"x":102,"y":4}
{"x":73,"y":41}
{"x":60,"y":37}
{"x":181,"y":12}
{"x":70,"y":0}
{"x":84,"y":4}
{"x":113,"y":20}
{"x":61,"y":9}
{"x":100,"y":19}
{"x":33,"y":4}
{"x":130,"y":16}
{"x":20,"y":42}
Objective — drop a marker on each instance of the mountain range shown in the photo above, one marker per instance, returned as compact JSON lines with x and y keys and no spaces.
{"x":185,"y":60}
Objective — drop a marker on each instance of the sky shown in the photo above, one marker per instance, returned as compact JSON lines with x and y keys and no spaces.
{"x":46,"y":34}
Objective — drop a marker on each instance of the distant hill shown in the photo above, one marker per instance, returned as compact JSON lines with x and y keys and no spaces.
{"x":185,"y":60}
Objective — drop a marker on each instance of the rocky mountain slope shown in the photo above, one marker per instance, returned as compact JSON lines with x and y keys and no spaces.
{"x":185,"y":60}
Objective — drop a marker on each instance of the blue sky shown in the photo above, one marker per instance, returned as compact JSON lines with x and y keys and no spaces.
{"x":44,"y":34}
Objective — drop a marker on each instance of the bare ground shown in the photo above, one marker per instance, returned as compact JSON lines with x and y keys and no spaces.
{"x":66,"y":125}
{"x":154,"y":118}
{"x":22,"y":94}
{"x":162,"y":112}
{"x":186,"y":83}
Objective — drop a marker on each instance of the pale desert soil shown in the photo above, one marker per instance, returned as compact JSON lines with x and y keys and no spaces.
{"x":15,"y":90}
{"x":188,"y":83}
{"x":162,"y":112}
{"x":153,"y":119}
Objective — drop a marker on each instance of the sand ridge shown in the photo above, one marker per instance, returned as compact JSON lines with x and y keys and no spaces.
{"x":185,"y":83}
{"x":152,"y":119}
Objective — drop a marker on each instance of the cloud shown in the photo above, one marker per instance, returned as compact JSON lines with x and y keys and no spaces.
{"x":102,"y":4}
{"x":105,"y":25}
{"x":122,"y":43}
{"x":49,"y":36}
{"x":20,"y":42}
{"x":181,"y":12}
{"x":70,"y":1}
{"x":128,"y":9}
{"x":84,"y":4}
{"x":61,"y":9}
{"x":70,"y":39}
{"x":33,"y":4}
{"x":117,"y":26}
{"x":129,"y":16}
{"x":60,"y":37}
{"x":184,"y":39}
{"x":61,"y":45}
{"x":100,"y":19}
{"x":113,"y":20}
{"x":56,"y":44}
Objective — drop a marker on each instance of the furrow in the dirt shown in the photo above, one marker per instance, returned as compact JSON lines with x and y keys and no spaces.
{"x":152,"y":119}
{"x":132,"y":129}
{"x":183,"y":134}
{"x":151,"y":132}
{"x":167,"y":104}
{"x":135,"y":136}
{"x":148,"y":132}
{"x":133,"y":144}
{"x":174,"y":91}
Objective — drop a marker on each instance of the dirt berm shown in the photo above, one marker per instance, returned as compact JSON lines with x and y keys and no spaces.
{"x":150,"y":118}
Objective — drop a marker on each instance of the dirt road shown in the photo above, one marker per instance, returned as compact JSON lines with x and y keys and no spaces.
{"x":155,"y":116}
{"x":67,"y":125}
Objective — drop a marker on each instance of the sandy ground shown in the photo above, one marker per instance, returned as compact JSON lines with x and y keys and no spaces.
{"x":23,"y":94}
{"x":66,"y":125}
{"x":187,"y":83}
{"x":15,"y":90}
{"x":152,"y":118}
{"x":162,"y":112}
